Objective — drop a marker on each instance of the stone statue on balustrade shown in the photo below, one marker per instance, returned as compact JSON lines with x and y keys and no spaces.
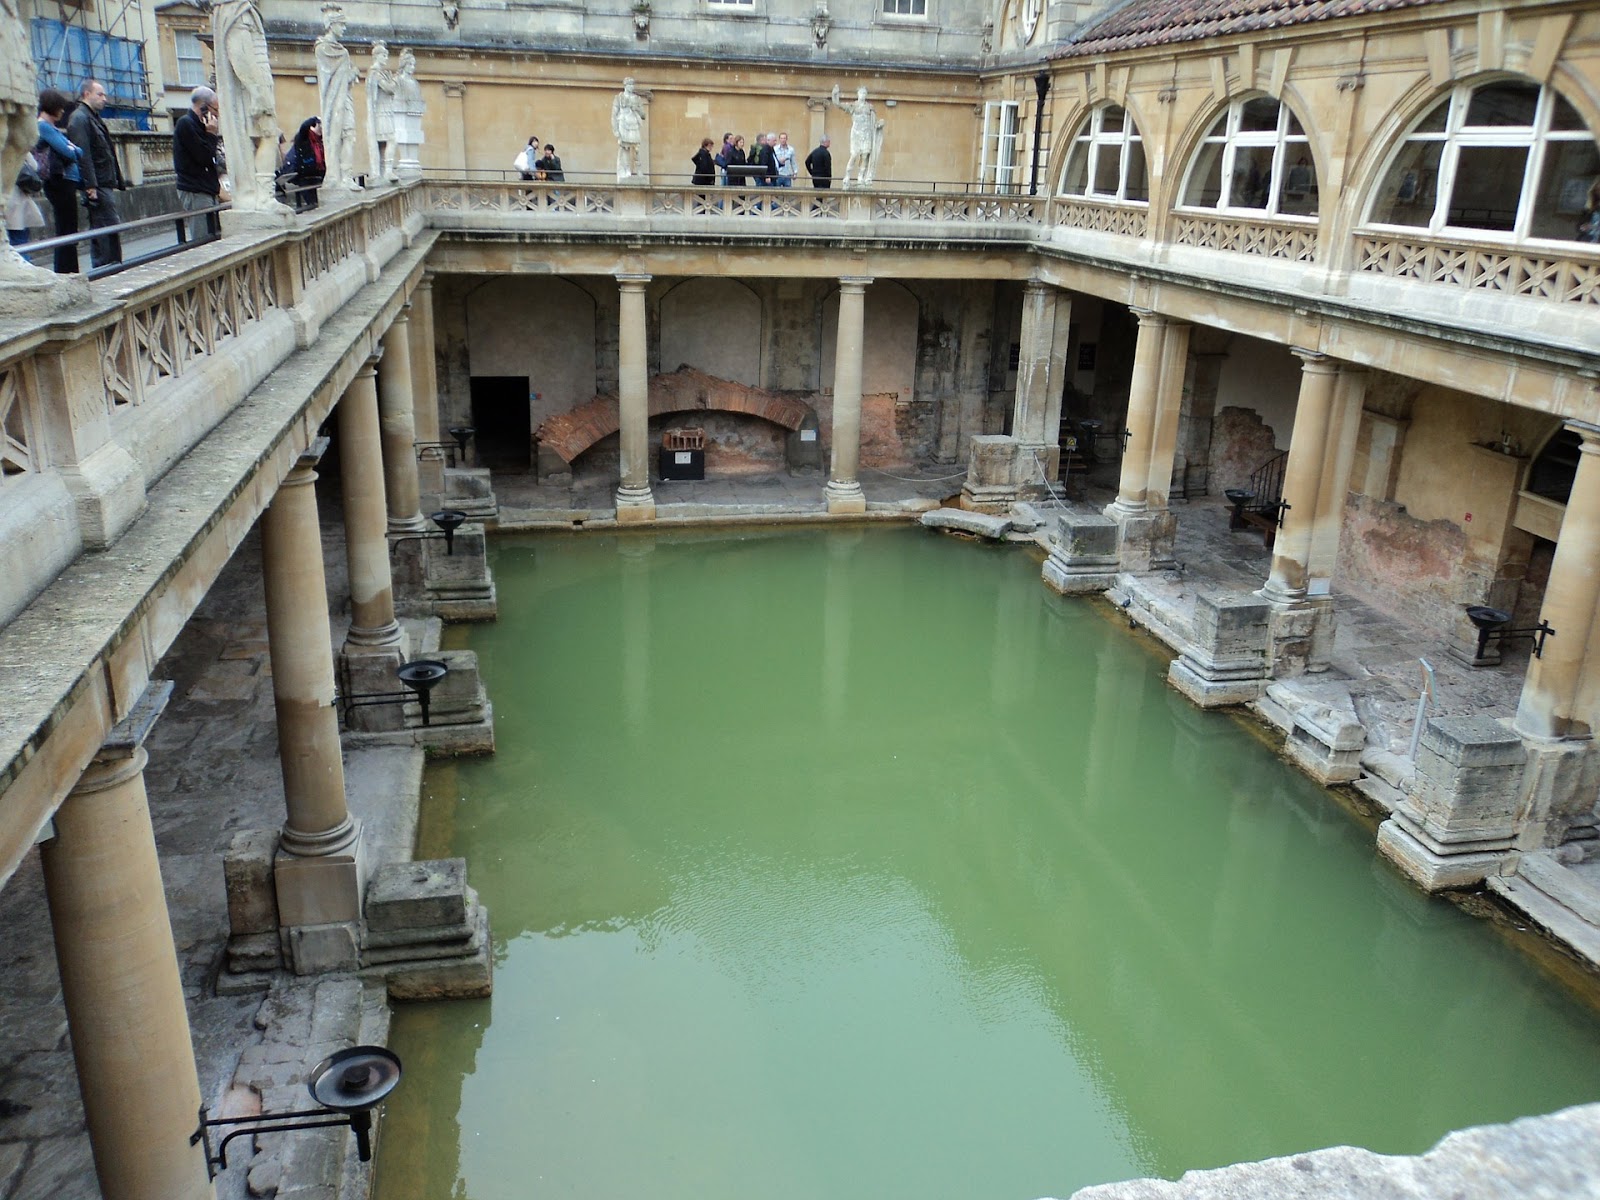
{"x":866,"y":139}
{"x":25,"y":290}
{"x":380,"y":117}
{"x":627,"y":123}
{"x":247,"y":109}
{"x":408,"y":113}
{"x":336,"y":84}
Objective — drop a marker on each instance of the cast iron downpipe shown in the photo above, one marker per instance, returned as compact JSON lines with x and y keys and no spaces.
{"x":1041,"y":84}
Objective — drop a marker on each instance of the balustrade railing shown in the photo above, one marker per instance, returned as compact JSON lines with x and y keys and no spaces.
{"x":1100,"y":217}
{"x":1569,"y":275}
{"x":1295,"y":241}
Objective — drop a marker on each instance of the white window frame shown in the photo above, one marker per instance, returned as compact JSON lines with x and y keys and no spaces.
{"x":198,"y":58}
{"x":731,"y":3}
{"x":1457,"y":134}
{"x":903,"y":10}
{"x":1233,"y":139}
{"x":1002,"y":127}
{"x":1094,"y":137}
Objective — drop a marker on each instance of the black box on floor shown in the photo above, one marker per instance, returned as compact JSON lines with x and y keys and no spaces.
{"x":683,"y":464}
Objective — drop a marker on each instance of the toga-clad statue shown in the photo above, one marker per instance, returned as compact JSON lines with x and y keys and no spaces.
{"x":408,"y":113}
{"x":336,"y":83}
{"x":866,"y":139}
{"x":380,"y":116}
{"x":246,"y":105}
{"x":627,"y":123}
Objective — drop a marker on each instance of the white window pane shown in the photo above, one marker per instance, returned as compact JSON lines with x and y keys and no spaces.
{"x":1503,"y":104}
{"x":1252,"y":177}
{"x":1487,"y":187}
{"x":1570,"y":170}
{"x":1410,"y":190}
{"x":1138,"y":186}
{"x":1205,"y":180}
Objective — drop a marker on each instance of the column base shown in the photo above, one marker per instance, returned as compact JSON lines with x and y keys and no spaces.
{"x":1435,"y":867}
{"x":1227,"y":661}
{"x":367,"y":669}
{"x":408,"y":526}
{"x":1083,"y":554}
{"x":1145,"y":539}
{"x":845,"y":498}
{"x":323,"y":890}
{"x":635,"y":505}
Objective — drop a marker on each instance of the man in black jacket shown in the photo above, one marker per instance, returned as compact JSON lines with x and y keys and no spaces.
{"x":819,"y":165}
{"x":194,"y":160}
{"x":102,"y":176}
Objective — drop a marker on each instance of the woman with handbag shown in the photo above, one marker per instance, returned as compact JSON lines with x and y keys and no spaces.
{"x":58,"y":157}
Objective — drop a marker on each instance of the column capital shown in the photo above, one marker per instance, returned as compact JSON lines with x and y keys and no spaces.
{"x":424,"y":284}
{"x":403,"y":317}
{"x":1037,"y":286}
{"x":304,"y":470}
{"x":1149,"y":316}
{"x":1315,"y":361}
{"x":854,"y":283}
{"x":633,"y":282}
{"x":1590,"y":435}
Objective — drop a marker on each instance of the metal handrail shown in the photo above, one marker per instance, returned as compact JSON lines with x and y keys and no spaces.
{"x":685,"y":179}
{"x":179,"y":219}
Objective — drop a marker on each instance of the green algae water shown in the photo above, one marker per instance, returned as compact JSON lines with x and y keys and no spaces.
{"x":855,"y":863}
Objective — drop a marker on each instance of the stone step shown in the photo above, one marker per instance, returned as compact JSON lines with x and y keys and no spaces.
{"x":1552,"y":913}
{"x":960,"y":520}
{"x":1379,"y":792}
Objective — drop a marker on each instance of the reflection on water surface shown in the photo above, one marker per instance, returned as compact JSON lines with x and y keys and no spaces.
{"x":857,"y":864}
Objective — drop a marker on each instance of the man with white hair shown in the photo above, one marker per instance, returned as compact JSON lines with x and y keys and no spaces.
{"x":194,"y":159}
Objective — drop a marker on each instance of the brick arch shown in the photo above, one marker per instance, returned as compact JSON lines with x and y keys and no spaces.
{"x":570,"y":433}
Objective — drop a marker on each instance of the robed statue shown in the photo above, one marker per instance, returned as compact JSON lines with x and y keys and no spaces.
{"x":336,"y":84}
{"x":627,"y":124}
{"x":247,"y":110}
{"x":866,"y":139}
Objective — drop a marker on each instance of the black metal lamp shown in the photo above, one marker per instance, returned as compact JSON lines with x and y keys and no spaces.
{"x":452,"y":451}
{"x":1493,"y":623}
{"x":463,"y":435}
{"x":419,"y":676}
{"x":347,"y":1085}
{"x":447,"y":519}
{"x":1041,"y":84}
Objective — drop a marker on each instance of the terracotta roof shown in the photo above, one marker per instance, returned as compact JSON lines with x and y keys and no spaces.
{"x":1159,"y":22}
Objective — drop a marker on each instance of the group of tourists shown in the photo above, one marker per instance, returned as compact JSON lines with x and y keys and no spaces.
{"x":770,"y":162}
{"x":73,"y":161}
{"x":534,"y":162}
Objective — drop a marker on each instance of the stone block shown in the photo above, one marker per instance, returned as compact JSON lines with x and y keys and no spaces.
{"x":368,"y":671}
{"x":1327,"y":743}
{"x":1146,"y":540}
{"x":317,"y":891}
{"x":1226,"y":662}
{"x":464,"y":569}
{"x":803,"y":446}
{"x":418,"y":895}
{"x":550,"y":466}
{"x":1432,"y":865}
{"x":1083,"y":553}
{"x":992,"y":466}
{"x":459,"y":696}
{"x":470,"y":490}
{"x":247,"y":874}
{"x":978,"y":524}
{"x":461,"y":977}
{"x":1472,"y":742}
{"x":319,"y":949}
{"x":254,"y":952}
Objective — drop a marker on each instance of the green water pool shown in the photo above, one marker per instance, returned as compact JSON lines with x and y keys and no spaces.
{"x":855,"y":863}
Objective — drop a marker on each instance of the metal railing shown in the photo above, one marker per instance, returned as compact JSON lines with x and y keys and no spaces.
{"x":208,"y":218}
{"x":685,"y":179}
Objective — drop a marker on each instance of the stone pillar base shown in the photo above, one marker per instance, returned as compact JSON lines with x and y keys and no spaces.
{"x":1083,"y":554}
{"x":456,"y":586}
{"x":318,"y":891}
{"x":635,"y":505}
{"x":369,"y":670}
{"x":1291,"y":642}
{"x":1326,"y":744}
{"x":845,"y":498}
{"x":1558,"y":793}
{"x":470,"y":490}
{"x":1145,"y":542}
{"x":1227,"y":662}
{"x":1460,"y":821}
{"x":461,"y":719}
{"x":427,"y":933}
{"x":991,"y":484}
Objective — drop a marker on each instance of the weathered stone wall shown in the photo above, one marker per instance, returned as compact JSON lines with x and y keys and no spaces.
{"x":1240,"y":442}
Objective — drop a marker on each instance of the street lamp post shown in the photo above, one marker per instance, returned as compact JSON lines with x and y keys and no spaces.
{"x":1041,"y":84}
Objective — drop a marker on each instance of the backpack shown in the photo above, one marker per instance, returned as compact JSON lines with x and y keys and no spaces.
{"x":29,"y":181}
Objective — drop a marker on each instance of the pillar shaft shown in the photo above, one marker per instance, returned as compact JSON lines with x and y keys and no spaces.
{"x":1036,"y":414}
{"x":844,"y":489}
{"x":1550,"y":704}
{"x":425,"y":387}
{"x":366,"y":523}
{"x":1302,"y":479}
{"x":1344,"y":423}
{"x":395,"y":402}
{"x":1133,"y":487}
{"x":301,"y":647}
{"x":123,"y":993}
{"x":1169,"y":408}
{"x":633,"y":398}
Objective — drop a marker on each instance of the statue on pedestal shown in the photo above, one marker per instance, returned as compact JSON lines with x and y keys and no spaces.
{"x":380,"y":116}
{"x":627,"y":123}
{"x":336,"y":82}
{"x":866,"y":139}
{"x":246,"y":106}
{"x":408,"y":113}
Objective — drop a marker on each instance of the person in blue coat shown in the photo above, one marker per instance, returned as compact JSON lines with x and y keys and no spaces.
{"x":62,"y":178}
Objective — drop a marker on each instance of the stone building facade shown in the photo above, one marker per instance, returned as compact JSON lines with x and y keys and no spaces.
{"x":1338,"y":237}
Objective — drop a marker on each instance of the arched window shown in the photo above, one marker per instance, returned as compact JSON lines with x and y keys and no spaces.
{"x":1107,"y":158}
{"x":1255,"y":157}
{"x":1510,"y":157}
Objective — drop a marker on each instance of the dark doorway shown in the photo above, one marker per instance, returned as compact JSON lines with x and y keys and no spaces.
{"x":500,"y":414}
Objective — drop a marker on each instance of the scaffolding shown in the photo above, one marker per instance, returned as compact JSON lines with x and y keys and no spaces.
{"x":76,"y":39}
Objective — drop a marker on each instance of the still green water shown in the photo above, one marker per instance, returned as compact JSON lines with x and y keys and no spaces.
{"x":855,"y":863}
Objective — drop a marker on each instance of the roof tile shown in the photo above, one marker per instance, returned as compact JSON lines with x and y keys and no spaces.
{"x":1160,"y":22}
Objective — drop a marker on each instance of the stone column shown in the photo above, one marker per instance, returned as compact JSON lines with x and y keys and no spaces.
{"x":399,"y":429}
{"x":1036,"y":413}
{"x":635,"y":502}
{"x":1132,"y":490}
{"x":843,"y":492}
{"x":1553,"y":693}
{"x":455,"y":124}
{"x":372,"y":622}
{"x":1169,"y":408}
{"x":316,"y":874}
{"x":1344,"y":423}
{"x":1302,"y":481}
{"x":119,"y":978}
{"x":425,"y":391}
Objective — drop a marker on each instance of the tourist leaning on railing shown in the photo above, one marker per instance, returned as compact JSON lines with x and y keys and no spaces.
{"x":58,"y":162}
